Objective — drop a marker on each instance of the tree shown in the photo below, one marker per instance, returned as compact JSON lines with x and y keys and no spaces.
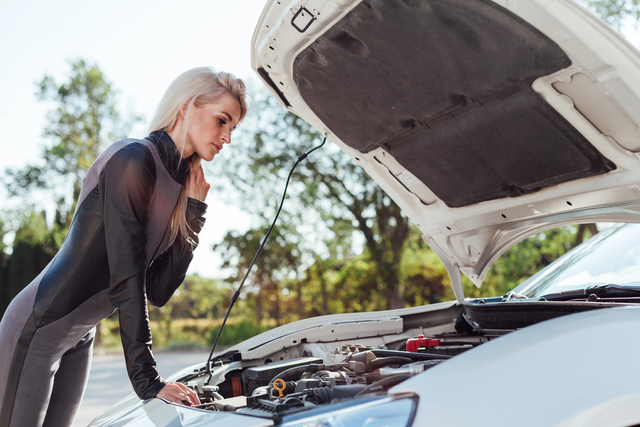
{"x":328,"y":188}
{"x":614,"y":12}
{"x":34,"y":245}
{"x":279,"y":257}
{"x":82,"y":122}
{"x":5,"y":291}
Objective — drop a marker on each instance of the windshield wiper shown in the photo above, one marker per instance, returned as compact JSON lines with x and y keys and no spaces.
{"x":608,"y":290}
{"x":509,"y":295}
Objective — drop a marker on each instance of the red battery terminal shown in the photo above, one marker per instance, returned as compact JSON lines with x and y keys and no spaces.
{"x":413,"y":344}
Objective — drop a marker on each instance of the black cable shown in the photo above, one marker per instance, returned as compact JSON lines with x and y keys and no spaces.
{"x":386,"y":361}
{"x":295,"y":372}
{"x":237,"y":293}
{"x":412,"y":356}
{"x":384,"y":384}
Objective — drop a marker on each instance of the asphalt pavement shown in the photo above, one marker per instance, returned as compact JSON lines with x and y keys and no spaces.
{"x":109,"y":382}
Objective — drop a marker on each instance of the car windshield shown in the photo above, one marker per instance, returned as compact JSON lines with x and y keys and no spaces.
{"x":611,"y":257}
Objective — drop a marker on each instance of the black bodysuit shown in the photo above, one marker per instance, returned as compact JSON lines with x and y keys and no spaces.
{"x":115,"y":256}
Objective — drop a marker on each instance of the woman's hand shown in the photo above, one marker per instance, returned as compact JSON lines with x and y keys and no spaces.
{"x":198,"y":187}
{"x":178,"y":393}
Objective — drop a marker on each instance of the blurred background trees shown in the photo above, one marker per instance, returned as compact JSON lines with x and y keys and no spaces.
{"x":615,"y":12}
{"x":341,"y":244}
{"x":82,"y":121}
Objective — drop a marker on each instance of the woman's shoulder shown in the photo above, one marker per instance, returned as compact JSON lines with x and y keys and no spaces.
{"x":125,"y":161}
{"x":133,"y":147}
{"x":130,"y":157}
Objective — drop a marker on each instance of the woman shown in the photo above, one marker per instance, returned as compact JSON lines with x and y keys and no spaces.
{"x":131,"y":239}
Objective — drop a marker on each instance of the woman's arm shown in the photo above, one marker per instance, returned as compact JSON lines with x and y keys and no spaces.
{"x":126,"y":184}
{"x":169,"y":270}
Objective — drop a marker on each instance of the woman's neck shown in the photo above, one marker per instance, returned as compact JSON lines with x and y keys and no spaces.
{"x":179,"y":137}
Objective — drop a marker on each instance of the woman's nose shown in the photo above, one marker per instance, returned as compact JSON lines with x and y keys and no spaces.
{"x":226,"y":137}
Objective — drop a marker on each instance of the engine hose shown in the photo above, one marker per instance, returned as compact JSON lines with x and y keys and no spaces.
{"x":346,"y":391}
{"x":322,"y":395}
{"x":412,"y":356}
{"x":373,"y":377}
{"x":384,"y":384}
{"x":296,"y":372}
{"x":386,"y":361}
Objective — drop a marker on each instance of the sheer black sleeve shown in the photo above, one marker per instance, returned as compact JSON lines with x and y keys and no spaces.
{"x":127,"y":184}
{"x":169,"y":270}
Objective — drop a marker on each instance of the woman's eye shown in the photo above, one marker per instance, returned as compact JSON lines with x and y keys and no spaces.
{"x":222,"y":122}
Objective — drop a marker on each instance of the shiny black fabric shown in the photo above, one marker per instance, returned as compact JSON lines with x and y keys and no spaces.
{"x":108,"y":261}
{"x":127,"y":184}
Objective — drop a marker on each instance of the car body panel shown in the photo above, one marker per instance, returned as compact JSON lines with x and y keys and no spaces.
{"x":382,"y":325}
{"x":598,"y":94}
{"x":569,"y":371}
{"x":158,"y":413}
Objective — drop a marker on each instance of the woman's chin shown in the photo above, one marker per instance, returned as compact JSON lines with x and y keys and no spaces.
{"x":207,"y":157}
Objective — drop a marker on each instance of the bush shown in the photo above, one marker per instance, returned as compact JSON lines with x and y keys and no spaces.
{"x":186,"y":333}
{"x":237,"y":332}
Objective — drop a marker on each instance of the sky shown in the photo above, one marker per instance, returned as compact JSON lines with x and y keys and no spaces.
{"x":140,"y":46}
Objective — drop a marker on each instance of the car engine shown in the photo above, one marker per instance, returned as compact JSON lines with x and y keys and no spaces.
{"x":283,"y":387}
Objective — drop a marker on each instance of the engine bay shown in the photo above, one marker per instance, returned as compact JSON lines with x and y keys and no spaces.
{"x":315,"y":366}
{"x":321,"y":367}
{"x":313,"y":380}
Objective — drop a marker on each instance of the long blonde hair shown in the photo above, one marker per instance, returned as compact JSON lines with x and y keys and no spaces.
{"x":198,"y":86}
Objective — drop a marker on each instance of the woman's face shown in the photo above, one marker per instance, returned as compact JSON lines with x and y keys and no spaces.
{"x":210,"y":127}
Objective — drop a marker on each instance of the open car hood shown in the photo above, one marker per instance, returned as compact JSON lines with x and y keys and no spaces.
{"x":486,"y":122}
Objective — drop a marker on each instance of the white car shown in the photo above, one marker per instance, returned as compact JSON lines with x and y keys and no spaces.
{"x":487,"y":122}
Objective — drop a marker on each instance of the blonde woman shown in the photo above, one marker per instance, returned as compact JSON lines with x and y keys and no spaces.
{"x":131,"y":239}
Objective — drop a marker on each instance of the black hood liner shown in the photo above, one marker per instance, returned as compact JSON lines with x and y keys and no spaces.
{"x":445,"y":87}
{"x":506,"y":149}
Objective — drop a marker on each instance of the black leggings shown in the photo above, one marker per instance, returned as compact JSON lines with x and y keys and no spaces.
{"x":44,"y":371}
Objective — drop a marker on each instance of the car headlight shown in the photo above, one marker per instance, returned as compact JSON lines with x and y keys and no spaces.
{"x":387,"y":412}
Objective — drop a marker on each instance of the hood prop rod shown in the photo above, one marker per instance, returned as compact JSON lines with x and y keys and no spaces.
{"x":236,"y":295}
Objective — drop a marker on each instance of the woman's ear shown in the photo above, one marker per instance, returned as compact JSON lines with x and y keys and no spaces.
{"x":185,"y":108}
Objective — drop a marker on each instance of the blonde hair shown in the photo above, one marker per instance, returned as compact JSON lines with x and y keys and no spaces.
{"x":198,"y":86}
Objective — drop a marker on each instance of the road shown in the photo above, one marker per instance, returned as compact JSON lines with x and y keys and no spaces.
{"x":108,"y":380}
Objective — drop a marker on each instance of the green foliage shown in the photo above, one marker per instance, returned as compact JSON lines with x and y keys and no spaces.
{"x":525,"y":259}
{"x":6,"y":293}
{"x":83,"y":119}
{"x":424,"y":278}
{"x":188,"y":333}
{"x":332,"y":200}
{"x":192,"y":317}
{"x":81,"y":123}
{"x":279,"y":258}
{"x":237,"y":332}
{"x":614,"y":12}
{"x":196,"y":298}
{"x":34,"y":245}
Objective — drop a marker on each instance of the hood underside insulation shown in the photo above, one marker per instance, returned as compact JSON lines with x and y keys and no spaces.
{"x":445,"y":87}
